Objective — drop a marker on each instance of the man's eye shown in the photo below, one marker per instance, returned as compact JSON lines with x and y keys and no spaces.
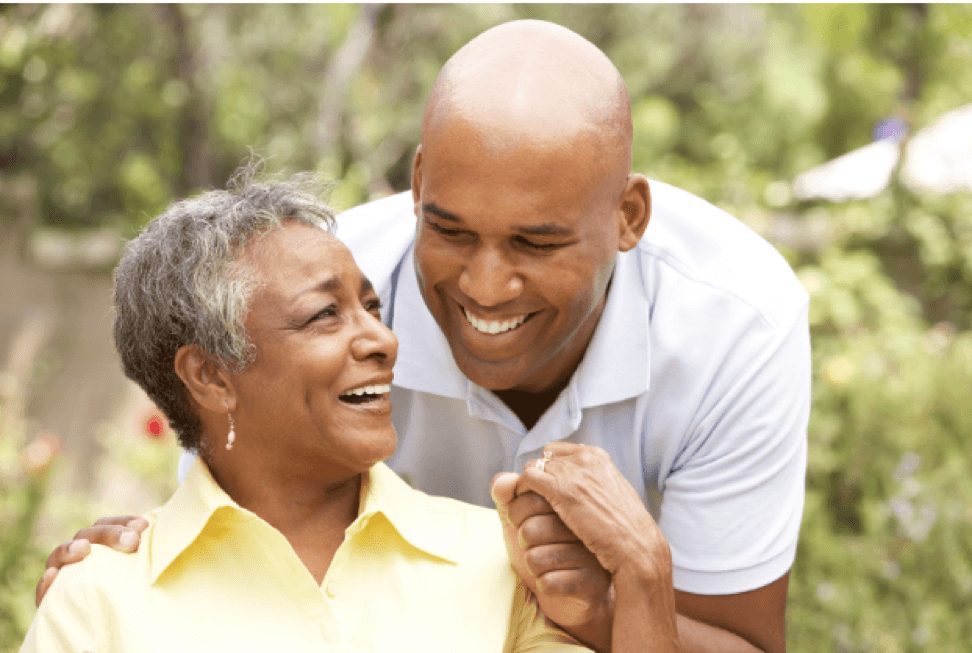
{"x":540,"y":247}
{"x":445,"y":231}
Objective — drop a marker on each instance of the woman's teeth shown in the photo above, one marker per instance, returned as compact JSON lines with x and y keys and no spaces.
{"x":366,"y":392}
{"x":492,"y":327}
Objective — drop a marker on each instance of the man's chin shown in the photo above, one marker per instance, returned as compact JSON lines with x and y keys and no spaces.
{"x":496,"y":376}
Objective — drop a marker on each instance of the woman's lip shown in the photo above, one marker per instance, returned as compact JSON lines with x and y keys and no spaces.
{"x":377,"y":406}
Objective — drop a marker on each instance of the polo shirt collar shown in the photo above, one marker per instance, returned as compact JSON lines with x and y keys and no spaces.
{"x":615,"y":367}
{"x":184,"y":516}
{"x":199,"y":499}
{"x":427,"y":524}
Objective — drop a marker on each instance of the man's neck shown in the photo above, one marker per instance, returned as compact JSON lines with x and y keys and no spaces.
{"x":530,"y":406}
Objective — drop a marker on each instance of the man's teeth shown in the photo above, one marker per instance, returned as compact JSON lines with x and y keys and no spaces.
{"x":368,"y":390}
{"x":493,"y":327}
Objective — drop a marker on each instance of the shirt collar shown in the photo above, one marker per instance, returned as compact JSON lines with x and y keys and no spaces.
{"x":185,"y":515}
{"x":432,"y":525}
{"x":425,"y":525}
{"x":615,"y":367}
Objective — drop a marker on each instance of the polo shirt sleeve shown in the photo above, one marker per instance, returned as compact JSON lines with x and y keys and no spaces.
{"x":531,"y":631}
{"x":733,"y":501}
{"x":68,"y":618}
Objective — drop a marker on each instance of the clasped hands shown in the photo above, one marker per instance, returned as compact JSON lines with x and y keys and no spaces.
{"x":574,"y":527}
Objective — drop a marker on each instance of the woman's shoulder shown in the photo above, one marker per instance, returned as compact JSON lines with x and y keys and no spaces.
{"x":105,"y":568}
{"x":476,"y":531}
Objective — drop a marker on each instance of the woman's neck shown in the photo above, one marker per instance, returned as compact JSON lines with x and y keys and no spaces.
{"x":311,"y":510}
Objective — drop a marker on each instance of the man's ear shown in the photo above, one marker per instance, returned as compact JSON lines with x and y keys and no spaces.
{"x":635,"y":211}
{"x":205,"y":379}
{"x":417,"y":175}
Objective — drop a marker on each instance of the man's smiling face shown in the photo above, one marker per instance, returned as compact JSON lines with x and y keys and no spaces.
{"x":515,"y":246}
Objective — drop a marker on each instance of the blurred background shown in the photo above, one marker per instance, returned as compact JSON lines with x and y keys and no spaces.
{"x":841,"y":133}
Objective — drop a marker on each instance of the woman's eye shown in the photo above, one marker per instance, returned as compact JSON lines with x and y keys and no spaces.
{"x":373,"y":306}
{"x":328,"y":311}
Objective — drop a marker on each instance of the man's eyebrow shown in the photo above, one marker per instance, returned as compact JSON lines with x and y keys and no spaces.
{"x":546,"y":229}
{"x":434,"y":209}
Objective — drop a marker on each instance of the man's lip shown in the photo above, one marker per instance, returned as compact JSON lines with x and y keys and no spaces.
{"x":522,"y":317}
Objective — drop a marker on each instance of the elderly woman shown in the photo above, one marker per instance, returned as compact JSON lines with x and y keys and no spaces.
{"x":252,"y":328}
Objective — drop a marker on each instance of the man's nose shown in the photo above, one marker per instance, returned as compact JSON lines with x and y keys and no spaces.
{"x":489,"y":279}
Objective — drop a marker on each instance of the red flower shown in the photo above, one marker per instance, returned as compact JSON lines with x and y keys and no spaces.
{"x":155,"y":425}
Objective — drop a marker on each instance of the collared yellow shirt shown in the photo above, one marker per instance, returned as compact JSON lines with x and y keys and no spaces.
{"x":414,"y":573}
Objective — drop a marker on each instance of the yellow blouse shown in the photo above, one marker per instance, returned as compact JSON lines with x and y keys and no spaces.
{"x":414,"y":573}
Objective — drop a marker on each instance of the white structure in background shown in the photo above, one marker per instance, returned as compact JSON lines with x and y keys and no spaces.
{"x":938,"y":160}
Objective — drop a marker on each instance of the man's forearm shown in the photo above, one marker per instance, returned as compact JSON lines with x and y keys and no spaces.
{"x":629,"y":628}
{"x":644,"y":614}
{"x":698,"y":637}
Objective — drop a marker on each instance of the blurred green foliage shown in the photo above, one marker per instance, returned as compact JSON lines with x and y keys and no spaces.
{"x":114,"y":110}
{"x":25,"y":469}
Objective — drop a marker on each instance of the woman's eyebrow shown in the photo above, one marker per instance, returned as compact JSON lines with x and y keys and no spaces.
{"x":328,"y":285}
{"x":366,"y":286}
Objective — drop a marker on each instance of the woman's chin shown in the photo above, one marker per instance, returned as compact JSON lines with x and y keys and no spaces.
{"x":380,"y":448}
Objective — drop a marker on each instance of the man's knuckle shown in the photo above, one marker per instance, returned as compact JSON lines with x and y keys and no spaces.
{"x":530,"y":532}
{"x":535,"y":559}
{"x":537,"y":503}
{"x":561,"y":584}
{"x":597,"y":453}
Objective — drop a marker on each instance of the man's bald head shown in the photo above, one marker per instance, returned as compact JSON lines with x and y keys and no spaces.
{"x":524,"y":196}
{"x":535,"y":82}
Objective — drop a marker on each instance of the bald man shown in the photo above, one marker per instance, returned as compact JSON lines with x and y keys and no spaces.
{"x":650,"y":383}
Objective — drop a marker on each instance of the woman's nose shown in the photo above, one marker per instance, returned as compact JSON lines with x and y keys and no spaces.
{"x":374,"y":340}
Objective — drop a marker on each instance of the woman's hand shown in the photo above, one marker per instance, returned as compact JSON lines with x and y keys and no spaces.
{"x":120,"y":533}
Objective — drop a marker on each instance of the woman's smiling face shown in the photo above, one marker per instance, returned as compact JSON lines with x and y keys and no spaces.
{"x":318,"y":388}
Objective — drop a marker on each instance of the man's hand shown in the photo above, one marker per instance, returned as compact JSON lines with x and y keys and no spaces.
{"x":571,"y":587}
{"x":595,"y":501}
{"x":120,"y":533}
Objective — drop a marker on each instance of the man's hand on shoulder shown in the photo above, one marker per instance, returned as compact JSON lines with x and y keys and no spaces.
{"x":120,"y":533}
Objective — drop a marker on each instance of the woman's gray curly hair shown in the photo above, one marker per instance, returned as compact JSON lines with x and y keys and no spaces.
{"x":177,"y":283}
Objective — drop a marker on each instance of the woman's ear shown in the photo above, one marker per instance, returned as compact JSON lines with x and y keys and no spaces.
{"x":206,"y":380}
{"x":635,"y":211}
